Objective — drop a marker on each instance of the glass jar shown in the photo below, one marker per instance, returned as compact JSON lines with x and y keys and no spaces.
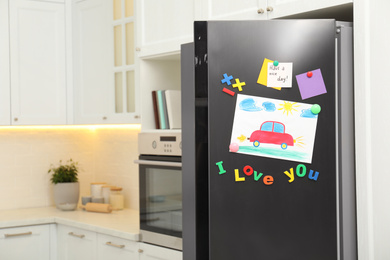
{"x":116,"y":198}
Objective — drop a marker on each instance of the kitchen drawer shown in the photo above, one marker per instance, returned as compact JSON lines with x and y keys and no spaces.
{"x":29,"y":242}
{"x":110,"y":247}
{"x":76,"y":243}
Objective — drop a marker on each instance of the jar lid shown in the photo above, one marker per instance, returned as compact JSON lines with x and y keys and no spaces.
{"x":116,"y":188}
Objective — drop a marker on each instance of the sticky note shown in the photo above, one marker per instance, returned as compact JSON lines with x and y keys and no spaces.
{"x":311,"y":86}
{"x":279,"y":76}
{"x":263,"y":73}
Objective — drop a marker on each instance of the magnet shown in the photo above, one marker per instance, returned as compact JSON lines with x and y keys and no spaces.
{"x":248,"y":170}
{"x":220,"y":167}
{"x":237,"y":176}
{"x":316,"y":109}
{"x":268,"y":180}
{"x":239,"y":84}
{"x":309,"y":74}
{"x":233,"y":147}
{"x":276,"y":63}
{"x":226,"y":79}
{"x":228,"y":91}
{"x":313,"y":176}
{"x":257,"y":176}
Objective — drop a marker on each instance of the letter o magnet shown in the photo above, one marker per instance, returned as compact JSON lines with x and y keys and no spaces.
{"x":248,"y":170}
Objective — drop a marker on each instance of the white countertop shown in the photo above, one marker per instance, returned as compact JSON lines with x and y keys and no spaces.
{"x":122,"y":223}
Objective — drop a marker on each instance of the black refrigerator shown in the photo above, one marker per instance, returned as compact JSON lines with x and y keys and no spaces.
{"x":268,"y":141}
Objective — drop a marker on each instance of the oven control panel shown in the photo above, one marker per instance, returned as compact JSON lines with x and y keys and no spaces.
{"x":159,"y":143}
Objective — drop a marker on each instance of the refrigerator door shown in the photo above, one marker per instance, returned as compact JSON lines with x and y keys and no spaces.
{"x":270,"y":203}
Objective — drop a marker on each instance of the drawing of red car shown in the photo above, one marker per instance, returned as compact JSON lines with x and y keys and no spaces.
{"x":272,"y":132}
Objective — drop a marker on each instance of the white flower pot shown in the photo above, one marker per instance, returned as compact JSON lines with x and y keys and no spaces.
{"x":66,"y":195}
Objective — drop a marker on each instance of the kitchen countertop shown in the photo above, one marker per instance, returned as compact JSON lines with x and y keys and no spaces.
{"x":122,"y":223}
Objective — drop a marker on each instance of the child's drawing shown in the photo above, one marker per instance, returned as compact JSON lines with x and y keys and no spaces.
{"x":274,"y":128}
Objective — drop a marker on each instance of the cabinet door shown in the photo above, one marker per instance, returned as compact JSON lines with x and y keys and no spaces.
{"x":37,"y":45}
{"x":109,"y":247}
{"x":75,"y":243}
{"x":31,"y":242}
{"x":282,"y":8}
{"x":92,"y":61}
{"x":150,"y":252}
{"x":5,"y":110}
{"x":233,"y":10}
{"x":164,"y":25}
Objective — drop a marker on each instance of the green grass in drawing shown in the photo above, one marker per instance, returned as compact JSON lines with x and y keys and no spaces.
{"x":294,"y":155}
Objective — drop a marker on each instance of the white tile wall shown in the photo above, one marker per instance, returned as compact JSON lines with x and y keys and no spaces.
{"x":103,"y":153}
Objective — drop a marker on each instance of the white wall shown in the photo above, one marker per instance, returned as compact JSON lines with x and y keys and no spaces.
{"x":372,"y":115}
{"x":104,"y":154}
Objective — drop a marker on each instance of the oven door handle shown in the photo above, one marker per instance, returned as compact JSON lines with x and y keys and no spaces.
{"x":158,"y":163}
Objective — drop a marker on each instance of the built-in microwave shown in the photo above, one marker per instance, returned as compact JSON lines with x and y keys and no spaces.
{"x":160,"y":189}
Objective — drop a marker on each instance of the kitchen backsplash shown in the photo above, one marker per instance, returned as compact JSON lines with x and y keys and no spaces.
{"x":104,"y":154}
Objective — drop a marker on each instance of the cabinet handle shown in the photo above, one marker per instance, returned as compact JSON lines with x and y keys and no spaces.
{"x":16,"y":119}
{"x":18,"y":234}
{"x":260,"y":11}
{"x":140,"y":251}
{"x":104,"y":117}
{"x":76,"y":235}
{"x":115,"y":245}
{"x":137,"y":116}
{"x":270,"y":9}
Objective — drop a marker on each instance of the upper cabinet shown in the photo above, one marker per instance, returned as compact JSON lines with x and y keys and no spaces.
{"x":4,"y":65}
{"x":37,"y":62}
{"x":104,"y":62}
{"x":281,"y":8}
{"x":233,"y":10}
{"x":164,"y":25}
{"x":261,"y":9}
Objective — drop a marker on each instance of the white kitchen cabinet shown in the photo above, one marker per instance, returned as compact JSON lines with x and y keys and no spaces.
{"x":102,"y":94}
{"x":30,"y":242}
{"x":37,"y":62}
{"x":261,"y":9}
{"x":164,"y":25}
{"x":233,"y":10}
{"x":5,"y":105}
{"x":280,"y":8}
{"x":151,"y":252}
{"x":76,"y":244}
{"x":110,"y":247}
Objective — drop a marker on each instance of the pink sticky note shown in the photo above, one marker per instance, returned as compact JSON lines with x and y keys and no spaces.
{"x":311,"y":86}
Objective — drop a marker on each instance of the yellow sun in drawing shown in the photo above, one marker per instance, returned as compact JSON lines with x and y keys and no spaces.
{"x":299,"y":142}
{"x":288,"y":107}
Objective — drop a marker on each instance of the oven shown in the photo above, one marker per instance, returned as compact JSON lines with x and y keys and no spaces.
{"x":160,"y":189}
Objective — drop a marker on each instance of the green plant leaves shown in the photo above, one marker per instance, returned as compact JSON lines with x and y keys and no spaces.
{"x":64,"y":172}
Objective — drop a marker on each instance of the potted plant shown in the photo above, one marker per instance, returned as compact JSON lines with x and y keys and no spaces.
{"x":66,"y":186}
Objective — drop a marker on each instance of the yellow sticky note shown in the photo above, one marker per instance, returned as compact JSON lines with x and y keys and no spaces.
{"x":263,"y":73}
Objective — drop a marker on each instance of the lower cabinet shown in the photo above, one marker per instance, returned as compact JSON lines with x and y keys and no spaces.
{"x":51,"y":242}
{"x":30,"y":242}
{"x":109,"y":247}
{"x":150,"y":252}
{"x":75,"y":243}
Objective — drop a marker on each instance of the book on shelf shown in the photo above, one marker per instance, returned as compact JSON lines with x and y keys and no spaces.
{"x":167,"y":109}
{"x":155,"y":109}
{"x":173,"y":100}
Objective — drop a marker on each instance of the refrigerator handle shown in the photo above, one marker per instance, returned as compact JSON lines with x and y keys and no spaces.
{"x":158,"y":163}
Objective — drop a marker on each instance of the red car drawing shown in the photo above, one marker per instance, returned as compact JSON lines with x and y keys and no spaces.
{"x":272,"y":132}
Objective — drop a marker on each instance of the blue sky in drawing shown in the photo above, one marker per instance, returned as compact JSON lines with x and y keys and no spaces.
{"x":249,"y":105}
{"x":308,"y":114}
{"x":269,"y":106}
